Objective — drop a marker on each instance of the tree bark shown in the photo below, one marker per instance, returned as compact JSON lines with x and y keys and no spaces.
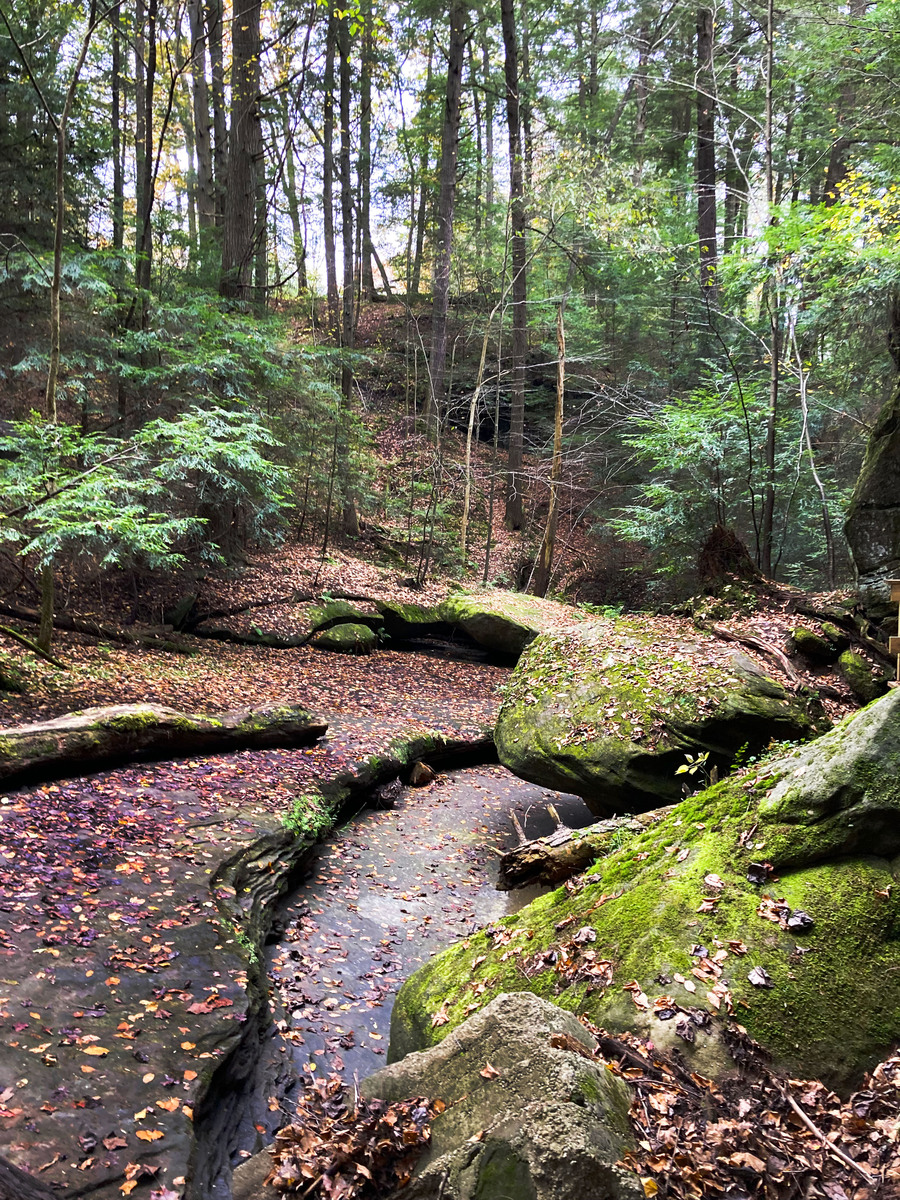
{"x":706,"y":151}
{"x":518,"y":258}
{"x":543,"y":571}
{"x":241,"y":229}
{"x":349,"y":518}
{"x":446,"y":200}
{"x":143,"y":265}
{"x":215,"y":25}
{"x":364,"y":166}
{"x":331,"y":288}
{"x":206,"y":192}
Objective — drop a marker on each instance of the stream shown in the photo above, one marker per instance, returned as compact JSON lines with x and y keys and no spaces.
{"x":388,"y":890}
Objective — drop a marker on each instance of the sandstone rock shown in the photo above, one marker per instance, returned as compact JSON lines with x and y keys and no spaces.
{"x":815,"y":831}
{"x":608,"y":713}
{"x":525,"y":1118}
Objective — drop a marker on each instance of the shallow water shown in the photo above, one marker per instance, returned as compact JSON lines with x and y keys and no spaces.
{"x":388,"y":891}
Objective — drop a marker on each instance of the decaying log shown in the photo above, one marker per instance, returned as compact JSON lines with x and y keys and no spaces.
{"x":566,"y":852}
{"x":84,"y":741}
{"x":108,"y":633}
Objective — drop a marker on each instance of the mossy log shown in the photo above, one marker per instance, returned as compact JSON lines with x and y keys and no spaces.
{"x":82,"y":741}
{"x":567,"y":852}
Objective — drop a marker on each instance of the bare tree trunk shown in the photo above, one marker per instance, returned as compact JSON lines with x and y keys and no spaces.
{"x":206,"y":192}
{"x":293,"y":198}
{"x":416,"y":273}
{"x":706,"y":152}
{"x":544,"y":569}
{"x":364,"y":166}
{"x":241,"y":231}
{"x":118,"y":198}
{"x":488,"y":127}
{"x":215,"y":24}
{"x":518,"y":258}
{"x":767,"y":521}
{"x":350,"y":520}
{"x":331,"y":288}
{"x":446,"y":198}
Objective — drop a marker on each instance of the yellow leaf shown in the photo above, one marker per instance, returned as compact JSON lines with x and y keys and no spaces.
{"x":149,"y":1135}
{"x":650,"y":1187}
{"x":127,"y":1188}
{"x":97,"y":1051}
{"x":148,"y":1078}
{"x":168,"y":1105}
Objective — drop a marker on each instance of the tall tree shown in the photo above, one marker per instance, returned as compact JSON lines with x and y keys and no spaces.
{"x":446,"y":199}
{"x":706,"y":150}
{"x":241,"y":232}
{"x":515,"y":513}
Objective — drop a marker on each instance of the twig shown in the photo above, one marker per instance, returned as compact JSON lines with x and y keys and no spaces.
{"x":827,"y":1145}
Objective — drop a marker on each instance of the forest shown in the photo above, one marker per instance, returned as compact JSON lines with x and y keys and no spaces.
{"x":449,"y":577}
{"x":634,"y":265}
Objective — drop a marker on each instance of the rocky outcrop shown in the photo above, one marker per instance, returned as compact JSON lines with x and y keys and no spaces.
{"x":770,"y":899}
{"x":529,"y":1113}
{"x":872,"y":527}
{"x":505,"y":622}
{"x":84,"y":741}
{"x":609,"y":712}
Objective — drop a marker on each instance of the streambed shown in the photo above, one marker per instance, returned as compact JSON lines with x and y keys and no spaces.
{"x":388,"y":890}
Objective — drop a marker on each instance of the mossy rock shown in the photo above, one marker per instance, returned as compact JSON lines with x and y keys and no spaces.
{"x":505,"y":622}
{"x":812,"y":646}
{"x":403,"y":621}
{"x":859,"y":677}
{"x":341,"y":612}
{"x":609,"y":713}
{"x":351,"y":638}
{"x":872,"y":527}
{"x":827,"y":819}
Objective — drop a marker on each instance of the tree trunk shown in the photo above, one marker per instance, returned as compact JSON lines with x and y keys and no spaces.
{"x":706,"y":152}
{"x":241,"y":232}
{"x":767,"y":522}
{"x":293,"y":199}
{"x":488,"y":128}
{"x":215,"y":24}
{"x":518,"y":257}
{"x":331,"y":288}
{"x":446,"y":199}
{"x":143,"y":265}
{"x":206,"y":192}
{"x":118,"y":197}
{"x":364,"y":166}
{"x":544,"y":570}
{"x":349,"y":518}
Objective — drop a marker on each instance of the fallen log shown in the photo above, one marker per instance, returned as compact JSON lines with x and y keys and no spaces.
{"x":80,"y":742}
{"x":107,"y":633}
{"x":567,"y":852}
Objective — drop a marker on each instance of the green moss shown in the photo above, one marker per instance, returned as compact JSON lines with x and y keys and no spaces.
{"x":7,"y":748}
{"x":132,"y":722}
{"x":829,"y":1012}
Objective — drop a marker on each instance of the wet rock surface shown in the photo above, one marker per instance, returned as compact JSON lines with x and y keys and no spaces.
{"x":386,"y":892}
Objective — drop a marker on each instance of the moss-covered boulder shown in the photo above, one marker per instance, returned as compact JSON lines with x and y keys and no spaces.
{"x":771,"y":900}
{"x":341,"y":612}
{"x":505,"y":622}
{"x":82,"y":741}
{"x":350,"y":638}
{"x":816,"y":648}
{"x":609,"y":711}
{"x":860,"y":678}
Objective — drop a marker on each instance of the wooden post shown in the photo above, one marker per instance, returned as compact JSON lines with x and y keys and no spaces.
{"x":894,"y":642}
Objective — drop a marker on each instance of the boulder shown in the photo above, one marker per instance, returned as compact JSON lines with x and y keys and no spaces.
{"x":87,"y":740}
{"x":529,"y":1113}
{"x":350,"y":638}
{"x":609,"y":712}
{"x":872,"y":527}
{"x":505,"y":622}
{"x":859,"y":677}
{"x":770,"y":899}
{"x":814,"y":647}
